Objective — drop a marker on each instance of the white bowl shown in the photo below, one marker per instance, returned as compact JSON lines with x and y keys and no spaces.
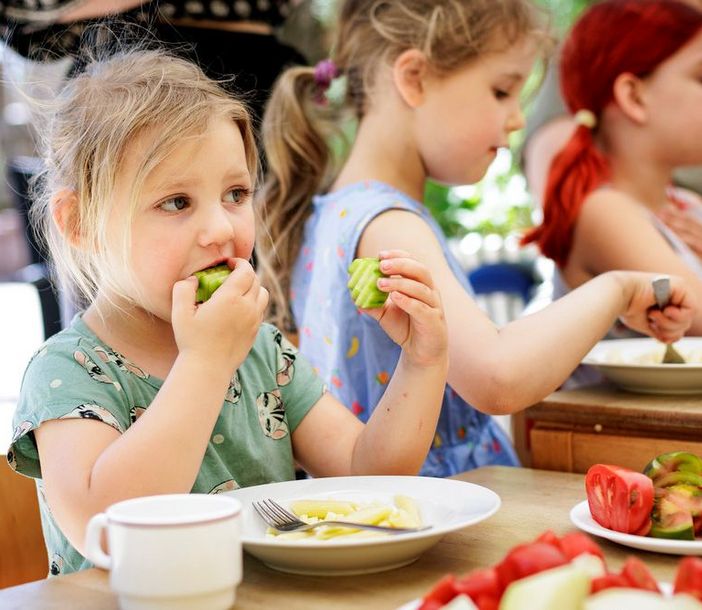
{"x":445,"y":504}
{"x":618,"y":360}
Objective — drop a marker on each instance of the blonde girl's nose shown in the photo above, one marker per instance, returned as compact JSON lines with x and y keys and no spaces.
{"x":215,"y":225}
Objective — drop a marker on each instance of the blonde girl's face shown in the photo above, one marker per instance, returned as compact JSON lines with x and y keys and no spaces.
{"x":194,"y":211}
{"x":673,"y":96}
{"x":468,"y":115}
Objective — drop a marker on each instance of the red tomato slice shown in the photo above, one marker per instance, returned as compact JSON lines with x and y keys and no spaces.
{"x":526,"y":559}
{"x":619,"y":499}
{"x":442,"y":593}
{"x":638,"y":575}
{"x":644,"y":529}
{"x":600,"y":583}
{"x":577,"y":543}
{"x":481,"y":582}
{"x":689,"y":577}
{"x":549,"y":538}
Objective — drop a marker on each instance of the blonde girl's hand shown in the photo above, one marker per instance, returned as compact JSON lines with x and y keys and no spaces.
{"x":412,"y":316}
{"x":642,"y":313}
{"x":224,"y":328}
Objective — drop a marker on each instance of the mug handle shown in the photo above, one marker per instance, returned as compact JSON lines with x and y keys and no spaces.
{"x":93,"y":537}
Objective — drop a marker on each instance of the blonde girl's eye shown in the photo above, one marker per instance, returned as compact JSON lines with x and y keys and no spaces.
{"x":174,"y":204}
{"x":236,"y":195}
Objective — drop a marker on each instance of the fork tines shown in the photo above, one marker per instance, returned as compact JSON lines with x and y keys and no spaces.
{"x":274,"y":514}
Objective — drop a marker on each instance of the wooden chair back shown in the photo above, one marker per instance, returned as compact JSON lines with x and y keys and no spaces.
{"x":22,"y":549}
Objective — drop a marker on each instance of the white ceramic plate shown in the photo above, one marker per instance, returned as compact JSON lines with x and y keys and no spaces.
{"x":581,"y":517}
{"x":444,"y":504}
{"x":618,"y":360}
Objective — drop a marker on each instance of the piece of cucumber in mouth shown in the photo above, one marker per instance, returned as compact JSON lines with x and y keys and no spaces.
{"x":208,"y":280}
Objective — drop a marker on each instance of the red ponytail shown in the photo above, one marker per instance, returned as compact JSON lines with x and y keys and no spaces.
{"x":611,"y":38}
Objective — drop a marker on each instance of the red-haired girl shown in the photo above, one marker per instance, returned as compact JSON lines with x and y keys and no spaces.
{"x":631,"y":75}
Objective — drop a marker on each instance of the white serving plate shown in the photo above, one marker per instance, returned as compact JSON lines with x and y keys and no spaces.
{"x":581,"y":518}
{"x":616,"y":360}
{"x":445,"y":504}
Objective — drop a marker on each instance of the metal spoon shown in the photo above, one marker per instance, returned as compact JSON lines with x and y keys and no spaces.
{"x":661,"y":290}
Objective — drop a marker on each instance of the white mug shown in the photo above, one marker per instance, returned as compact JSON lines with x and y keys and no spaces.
{"x":170,"y":552}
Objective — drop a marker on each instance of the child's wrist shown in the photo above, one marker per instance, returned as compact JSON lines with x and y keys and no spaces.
{"x":624,"y":285}
{"x":203,"y":367}
{"x":438,"y":363}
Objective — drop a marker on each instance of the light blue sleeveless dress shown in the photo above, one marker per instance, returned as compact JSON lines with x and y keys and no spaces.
{"x":351,"y":352}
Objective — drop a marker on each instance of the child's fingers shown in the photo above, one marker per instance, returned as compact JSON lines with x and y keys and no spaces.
{"x":394,"y":254}
{"x":262,"y":299}
{"x":417,"y":310}
{"x":410,"y":288}
{"x":671,"y":318}
{"x":668,"y":336}
{"x":241,"y":280}
{"x":409,"y":268}
{"x":677,"y":314}
{"x":183,"y":295}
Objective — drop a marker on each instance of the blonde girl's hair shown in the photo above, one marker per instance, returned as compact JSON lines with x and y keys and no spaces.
{"x":91,"y":124}
{"x":297,"y":128}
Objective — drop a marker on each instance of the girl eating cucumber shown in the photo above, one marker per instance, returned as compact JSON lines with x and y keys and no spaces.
{"x":150,"y":169}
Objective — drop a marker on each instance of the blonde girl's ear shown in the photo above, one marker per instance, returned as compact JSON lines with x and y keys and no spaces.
{"x":64,"y":211}
{"x":628,"y":92}
{"x":410,"y":72}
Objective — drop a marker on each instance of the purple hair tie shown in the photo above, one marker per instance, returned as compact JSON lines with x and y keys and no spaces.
{"x":324,"y":73}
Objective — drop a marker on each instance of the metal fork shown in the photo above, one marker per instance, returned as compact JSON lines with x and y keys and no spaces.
{"x":661,"y":290}
{"x":284,"y":521}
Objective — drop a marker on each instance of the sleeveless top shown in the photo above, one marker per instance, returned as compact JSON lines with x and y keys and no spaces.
{"x":352,"y":354}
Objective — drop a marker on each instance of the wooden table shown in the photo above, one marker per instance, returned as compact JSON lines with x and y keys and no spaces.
{"x":533,"y":501}
{"x":571,"y":430}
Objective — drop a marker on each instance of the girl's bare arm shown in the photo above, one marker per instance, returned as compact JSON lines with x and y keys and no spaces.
{"x":505,"y":370}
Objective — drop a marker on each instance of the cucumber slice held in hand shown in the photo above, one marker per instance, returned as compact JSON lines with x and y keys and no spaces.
{"x":208,"y":280}
{"x":363,"y":283}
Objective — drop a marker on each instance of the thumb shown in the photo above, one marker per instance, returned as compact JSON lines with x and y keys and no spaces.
{"x":184,"y":297}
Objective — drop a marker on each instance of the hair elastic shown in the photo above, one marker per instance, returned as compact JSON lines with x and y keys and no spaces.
{"x":586,"y":118}
{"x":324,"y":73}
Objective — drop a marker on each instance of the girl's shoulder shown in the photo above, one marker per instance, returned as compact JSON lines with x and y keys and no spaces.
{"x":607,"y":204}
{"x":77,"y":350}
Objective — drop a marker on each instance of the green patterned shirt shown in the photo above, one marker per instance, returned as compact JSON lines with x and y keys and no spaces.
{"x":75,"y":375}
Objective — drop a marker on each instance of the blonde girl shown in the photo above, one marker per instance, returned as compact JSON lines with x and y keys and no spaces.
{"x":151,"y":168}
{"x":435,"y":87}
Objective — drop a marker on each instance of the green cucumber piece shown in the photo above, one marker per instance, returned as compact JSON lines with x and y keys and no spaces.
{"x":678,"y":478}
{"x":673,"y":462}
{"x":363,"y":283}
{"x":687,"y":497}
{"x":671,"y":521}
{"x":209,"y":280}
